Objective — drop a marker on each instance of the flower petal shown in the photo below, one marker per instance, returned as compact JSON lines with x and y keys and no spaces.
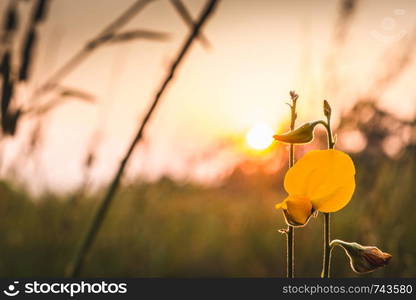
{"x":297,"y":210}
{"x":337,"y":199}
{"x":324,"y":176}
{"x":281,"y":205}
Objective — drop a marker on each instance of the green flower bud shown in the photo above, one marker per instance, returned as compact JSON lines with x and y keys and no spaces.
{"x":363,"y":259}
{"x":327,"y":109}
{"x":301,"y":135}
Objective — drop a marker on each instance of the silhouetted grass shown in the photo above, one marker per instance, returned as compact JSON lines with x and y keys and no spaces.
{"x":102,"y":210}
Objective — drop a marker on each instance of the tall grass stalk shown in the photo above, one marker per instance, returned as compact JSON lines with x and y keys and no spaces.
{"x":10,"y":26}
{"x":186,"y":16}
{"x":98,"y":219}
{"x":38,"y":16}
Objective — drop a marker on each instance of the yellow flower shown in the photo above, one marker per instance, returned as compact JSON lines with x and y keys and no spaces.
{"x":322,"y":180}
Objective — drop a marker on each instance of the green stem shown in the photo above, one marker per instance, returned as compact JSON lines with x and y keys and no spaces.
{"x":327,"y":218}
{"x":290,"y":252}
{"x":327,"y":247}
{"x":290,"y":229}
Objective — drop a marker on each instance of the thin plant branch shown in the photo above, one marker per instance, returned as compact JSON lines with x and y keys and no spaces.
{"x":83,"y":53}
{"x":105,"y":204}
{"x":8,"y":117}
{"x":30,"y":41}
{"x":186,"y":16}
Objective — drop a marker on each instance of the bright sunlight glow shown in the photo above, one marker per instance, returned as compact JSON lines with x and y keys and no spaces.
{"x":260,"y":136}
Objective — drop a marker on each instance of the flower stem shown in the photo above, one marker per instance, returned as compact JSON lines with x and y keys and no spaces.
{"x":327,"y":247}
{"x":290,"y":229}
{"x":290,"y":252}
{"x":327,"y":217}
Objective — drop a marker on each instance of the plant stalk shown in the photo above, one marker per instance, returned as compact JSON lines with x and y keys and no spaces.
{"x":327,"y":217}
{"x":327,"y":247}
{"x":291,"y":230}
{"x":76,"y":267}
{"x":84,"y":52}
{"x":290,"y":242}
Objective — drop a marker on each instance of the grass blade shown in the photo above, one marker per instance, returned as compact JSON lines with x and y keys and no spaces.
{"x":75,"y":268}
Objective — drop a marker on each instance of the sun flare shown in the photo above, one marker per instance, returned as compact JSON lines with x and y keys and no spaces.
{"x":260,"y":136}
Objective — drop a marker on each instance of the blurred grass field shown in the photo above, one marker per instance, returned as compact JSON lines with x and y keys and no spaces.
{"x":167,"y":229}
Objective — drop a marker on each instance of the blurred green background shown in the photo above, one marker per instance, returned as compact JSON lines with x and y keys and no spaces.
{"x":167,"y":229}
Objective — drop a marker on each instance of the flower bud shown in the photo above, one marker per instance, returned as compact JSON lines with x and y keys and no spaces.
{"x":327,"y":109}
{"x":301,"y":135}
{"x":363,"y":259}
{"x":293,"y":96}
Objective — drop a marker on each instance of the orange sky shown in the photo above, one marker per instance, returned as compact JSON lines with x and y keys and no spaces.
{"x":261,"y":50}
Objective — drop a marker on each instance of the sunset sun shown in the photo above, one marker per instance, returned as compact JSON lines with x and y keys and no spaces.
{"x":260,"y":136}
